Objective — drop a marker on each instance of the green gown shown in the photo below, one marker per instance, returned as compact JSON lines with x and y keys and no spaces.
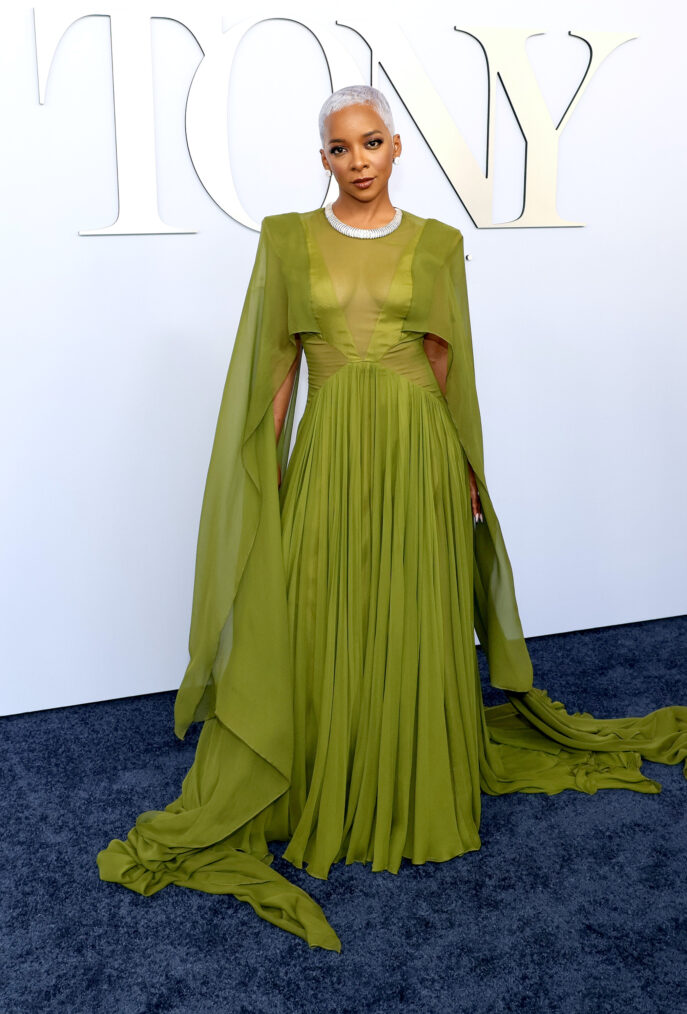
{"x":332,"y":653}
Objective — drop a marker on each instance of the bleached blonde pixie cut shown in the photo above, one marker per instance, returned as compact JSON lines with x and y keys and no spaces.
{"x":350,"y":96}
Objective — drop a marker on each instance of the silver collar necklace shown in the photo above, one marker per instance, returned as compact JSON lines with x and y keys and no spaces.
{"x":352,"y":230}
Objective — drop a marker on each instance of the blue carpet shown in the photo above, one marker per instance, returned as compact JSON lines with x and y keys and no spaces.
{"x":574,"y":903}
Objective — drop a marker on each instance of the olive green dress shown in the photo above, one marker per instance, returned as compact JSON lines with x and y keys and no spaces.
{"x":332,"y":653}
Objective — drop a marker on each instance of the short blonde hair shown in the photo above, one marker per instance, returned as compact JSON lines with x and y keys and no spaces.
{"x":350,"y":96}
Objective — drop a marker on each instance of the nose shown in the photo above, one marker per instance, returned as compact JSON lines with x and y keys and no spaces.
{"x":359,"y":160}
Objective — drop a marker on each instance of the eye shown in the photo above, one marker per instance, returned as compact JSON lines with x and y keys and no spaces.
{"x":377,"y":141}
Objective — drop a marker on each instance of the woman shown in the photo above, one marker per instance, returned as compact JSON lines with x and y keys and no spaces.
{"x":332,"y":653}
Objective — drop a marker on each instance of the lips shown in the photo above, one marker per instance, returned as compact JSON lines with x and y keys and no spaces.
{"x":362,"y":184}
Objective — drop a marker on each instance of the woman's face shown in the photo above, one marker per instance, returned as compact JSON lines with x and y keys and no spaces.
{"x":358,"y":146}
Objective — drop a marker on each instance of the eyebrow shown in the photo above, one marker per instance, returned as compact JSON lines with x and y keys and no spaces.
{"x":376,"y":131}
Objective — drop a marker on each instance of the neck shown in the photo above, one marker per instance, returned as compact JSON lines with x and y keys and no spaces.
{"x":364,"y":214}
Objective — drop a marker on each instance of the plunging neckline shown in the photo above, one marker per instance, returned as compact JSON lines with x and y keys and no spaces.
{"x":320,"y":276}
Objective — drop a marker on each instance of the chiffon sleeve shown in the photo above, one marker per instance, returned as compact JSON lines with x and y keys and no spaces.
{"x":440,"y":306}
{"x":234,"y":671}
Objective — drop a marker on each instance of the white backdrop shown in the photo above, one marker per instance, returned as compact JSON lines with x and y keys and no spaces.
{"x":115,"y":348}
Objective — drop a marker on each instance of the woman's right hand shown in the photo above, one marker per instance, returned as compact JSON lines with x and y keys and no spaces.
{"x":477,"y":514}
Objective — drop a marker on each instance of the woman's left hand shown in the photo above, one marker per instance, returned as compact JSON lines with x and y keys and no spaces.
{"x":477,"y":514}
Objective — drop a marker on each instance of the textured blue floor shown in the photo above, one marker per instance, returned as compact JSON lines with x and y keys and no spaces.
{"x":574,"y":903}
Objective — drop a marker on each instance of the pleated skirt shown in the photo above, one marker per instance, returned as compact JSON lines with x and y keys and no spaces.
{"x":377,"y":539}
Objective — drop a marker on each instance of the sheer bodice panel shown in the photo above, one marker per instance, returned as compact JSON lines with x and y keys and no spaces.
{"x":362,"y":290}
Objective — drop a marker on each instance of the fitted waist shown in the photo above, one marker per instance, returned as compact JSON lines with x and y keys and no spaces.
{"x":407,"y":358}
